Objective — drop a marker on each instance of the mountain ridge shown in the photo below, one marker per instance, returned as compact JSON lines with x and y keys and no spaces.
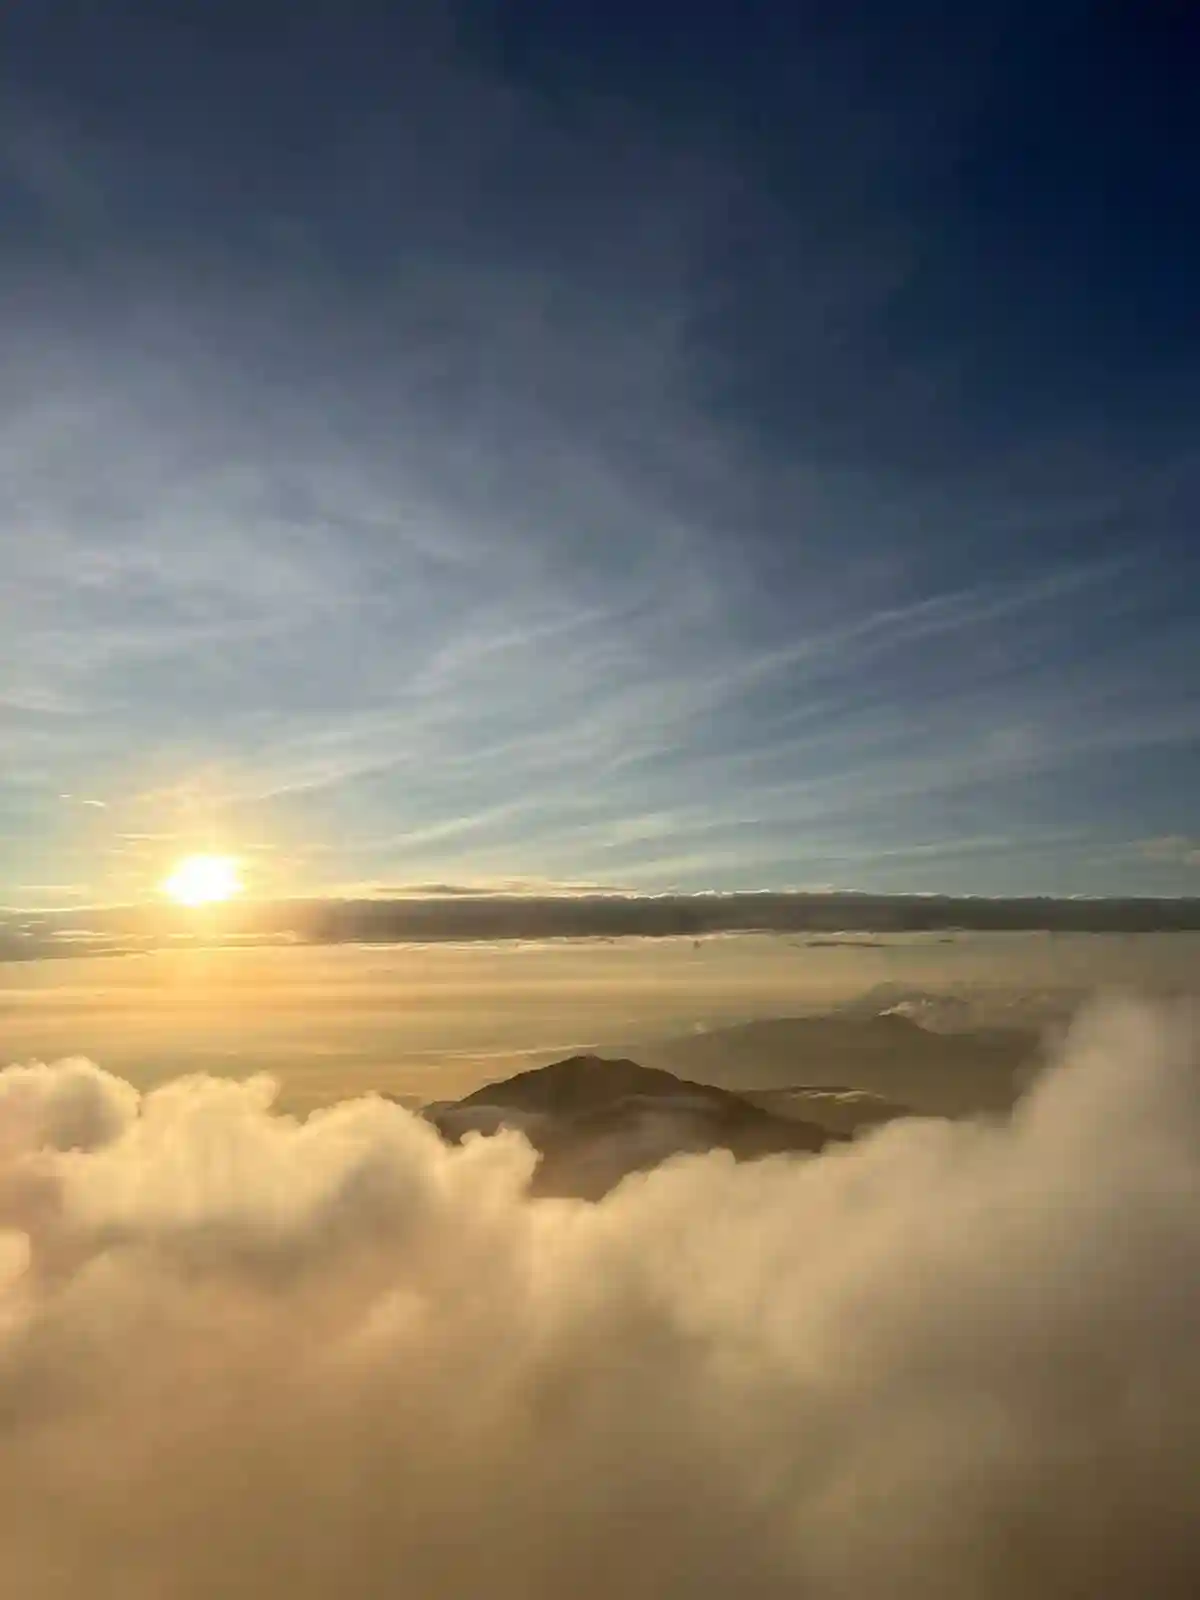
{"x":596,"y":1119}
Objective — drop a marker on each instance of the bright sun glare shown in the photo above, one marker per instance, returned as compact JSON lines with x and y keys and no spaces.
{"x":203,"y":880}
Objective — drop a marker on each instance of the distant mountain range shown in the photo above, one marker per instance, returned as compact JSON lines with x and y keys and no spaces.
{"x":788,"y":1085}
{"x":889,"y":1056}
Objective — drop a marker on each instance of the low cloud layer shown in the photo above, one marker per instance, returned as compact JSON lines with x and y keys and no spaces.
{"x":247,"y":1356}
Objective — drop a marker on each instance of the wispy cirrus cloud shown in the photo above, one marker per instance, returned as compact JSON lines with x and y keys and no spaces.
{"x":501,"y":561}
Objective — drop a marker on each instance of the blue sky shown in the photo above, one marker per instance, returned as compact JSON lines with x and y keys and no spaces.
{"x":751,"y":446}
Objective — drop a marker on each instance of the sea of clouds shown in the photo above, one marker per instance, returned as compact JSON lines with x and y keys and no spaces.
{"x":246,"y":1356}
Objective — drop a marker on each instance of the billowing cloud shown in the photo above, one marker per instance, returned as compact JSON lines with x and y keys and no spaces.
{"x":249,"y":1356}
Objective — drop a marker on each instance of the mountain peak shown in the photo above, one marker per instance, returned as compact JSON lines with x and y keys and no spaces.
{"x":581,"y":1083}
{"x":595,"y":1119}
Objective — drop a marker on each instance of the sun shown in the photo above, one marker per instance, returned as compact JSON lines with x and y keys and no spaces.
{"x":203,"y":880}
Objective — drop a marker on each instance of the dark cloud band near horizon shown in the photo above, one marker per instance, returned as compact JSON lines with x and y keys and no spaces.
{"x":583,"y":914}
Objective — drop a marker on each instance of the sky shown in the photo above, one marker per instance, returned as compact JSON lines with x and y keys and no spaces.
{"x":718,"y":447}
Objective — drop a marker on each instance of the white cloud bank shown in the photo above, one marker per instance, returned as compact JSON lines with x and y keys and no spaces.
{"x":247,"y":1357}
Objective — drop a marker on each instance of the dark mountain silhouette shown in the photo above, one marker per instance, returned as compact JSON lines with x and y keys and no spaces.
{"x":890,"y":1056}
{"x":595,"y":1120}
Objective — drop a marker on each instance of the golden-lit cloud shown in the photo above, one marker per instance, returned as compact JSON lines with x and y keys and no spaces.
{"x":255,"y":1356}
